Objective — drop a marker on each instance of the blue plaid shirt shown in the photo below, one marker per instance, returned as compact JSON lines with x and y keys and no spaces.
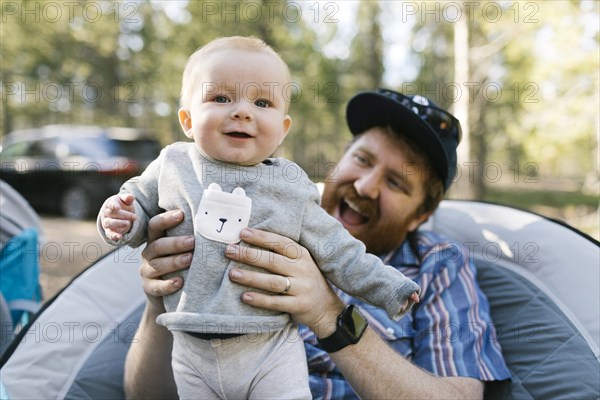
{"x":449,"y":333}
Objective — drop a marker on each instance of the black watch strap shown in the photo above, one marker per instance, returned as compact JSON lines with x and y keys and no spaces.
{"x":350,"y":327}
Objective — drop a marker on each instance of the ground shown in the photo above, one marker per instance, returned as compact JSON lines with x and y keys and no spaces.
{"x":69,"y":247}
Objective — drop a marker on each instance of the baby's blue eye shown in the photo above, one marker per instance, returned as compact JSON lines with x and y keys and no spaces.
{"x":221,"y":99}
{"x":262,"y":103}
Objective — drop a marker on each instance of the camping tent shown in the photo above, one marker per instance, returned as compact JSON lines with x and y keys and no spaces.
{"x":542,"y":279}
{"x":20,"y":292}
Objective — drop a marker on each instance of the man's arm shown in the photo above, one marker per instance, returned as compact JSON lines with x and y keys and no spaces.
{"x":396,"y":376}
{"x":148,"y":373}
{"x":311,"y":302}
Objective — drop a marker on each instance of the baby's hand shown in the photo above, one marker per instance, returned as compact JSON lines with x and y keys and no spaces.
{"x":117,"y":215}
{"x":415,"y":297}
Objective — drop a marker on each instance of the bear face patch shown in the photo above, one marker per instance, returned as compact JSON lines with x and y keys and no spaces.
{"x":221,"y":216}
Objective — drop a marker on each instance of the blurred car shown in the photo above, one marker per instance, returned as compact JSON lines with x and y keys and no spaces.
{"x":72,"y":169}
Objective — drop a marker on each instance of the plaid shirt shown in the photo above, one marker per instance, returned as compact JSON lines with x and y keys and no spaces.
{"x":449,"y":333}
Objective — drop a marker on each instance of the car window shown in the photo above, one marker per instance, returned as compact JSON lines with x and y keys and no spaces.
{"x":92,"y":147}
{"x":138,"y":149}
{"x":18,"y":149}
{"x":95,"y":147}
{"x":101,"y":147}
{"x":45,"y":148}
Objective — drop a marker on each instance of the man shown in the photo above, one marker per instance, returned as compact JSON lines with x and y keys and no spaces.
{"x":390,"y":180}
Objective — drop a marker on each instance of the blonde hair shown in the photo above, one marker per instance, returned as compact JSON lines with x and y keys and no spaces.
{"x":245,"y":43}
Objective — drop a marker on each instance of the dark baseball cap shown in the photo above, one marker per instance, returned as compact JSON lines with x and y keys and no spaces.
{"x":434,"y":129}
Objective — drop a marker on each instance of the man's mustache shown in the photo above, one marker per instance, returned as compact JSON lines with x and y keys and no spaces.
{"x":365,"y":205}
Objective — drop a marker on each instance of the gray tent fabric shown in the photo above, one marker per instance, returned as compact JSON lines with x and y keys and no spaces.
{"x":546,"y":353}
{"x":102,"y":373}
{"x":542,"y":280}
{"x":16,"y":214}
{"x":562,"y":262}
{"x":92,"y":311}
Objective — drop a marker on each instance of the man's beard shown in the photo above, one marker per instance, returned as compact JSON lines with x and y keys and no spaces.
{"x":379,"y":236}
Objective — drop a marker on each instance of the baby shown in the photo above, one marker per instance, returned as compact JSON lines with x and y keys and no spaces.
{"x":234,"y":106}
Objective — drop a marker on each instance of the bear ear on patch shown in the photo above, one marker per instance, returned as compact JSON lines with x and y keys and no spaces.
{"x":238,"y":191}
{"x":215,"y":186}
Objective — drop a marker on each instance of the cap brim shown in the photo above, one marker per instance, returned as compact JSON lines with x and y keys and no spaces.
{"x":369,"y":109}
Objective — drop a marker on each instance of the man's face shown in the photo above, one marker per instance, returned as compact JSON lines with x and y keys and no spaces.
{"x":376,"y":191}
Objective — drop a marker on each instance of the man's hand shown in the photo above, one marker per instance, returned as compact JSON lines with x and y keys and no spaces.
{"x":117,"y":215}
{"x":163,"y":255}
{"x":308,"y":298}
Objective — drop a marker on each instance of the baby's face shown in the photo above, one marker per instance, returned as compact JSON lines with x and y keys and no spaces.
{"x":238,"y":106}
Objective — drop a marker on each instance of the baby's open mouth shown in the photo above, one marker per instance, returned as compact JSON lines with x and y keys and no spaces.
{"x":241,"y":135}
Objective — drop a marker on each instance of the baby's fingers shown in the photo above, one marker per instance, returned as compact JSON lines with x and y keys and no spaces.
{"x":116,"y":225}
{"x":114,"y":230}
{"x":113,"y":235}
{"x":415,"y":297}
{"x":113,"y":208}
{"x":126,"y":198}
{"x":119,"y":215}
{"x":122,"y":201}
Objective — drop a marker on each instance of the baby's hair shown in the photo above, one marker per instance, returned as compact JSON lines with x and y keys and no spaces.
{"x":246,"y":43}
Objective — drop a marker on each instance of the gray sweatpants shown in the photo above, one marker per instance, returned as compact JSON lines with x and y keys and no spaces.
{"x":253,"y":366}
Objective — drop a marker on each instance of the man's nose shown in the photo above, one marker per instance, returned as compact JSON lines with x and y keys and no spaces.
{"x":368,"y":185}
{"x":242,"y":111}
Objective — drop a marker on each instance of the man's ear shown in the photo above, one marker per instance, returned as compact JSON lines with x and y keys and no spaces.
{"x":418,"y":220}
{"x":185,"y":120}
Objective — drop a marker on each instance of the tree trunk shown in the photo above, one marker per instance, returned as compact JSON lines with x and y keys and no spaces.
{"x":463,"y":186}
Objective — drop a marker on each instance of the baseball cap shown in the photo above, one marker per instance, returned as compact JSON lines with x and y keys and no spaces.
{"x":434,"y":129}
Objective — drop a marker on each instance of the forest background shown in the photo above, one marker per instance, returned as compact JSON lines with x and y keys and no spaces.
{"x":522,"y":76}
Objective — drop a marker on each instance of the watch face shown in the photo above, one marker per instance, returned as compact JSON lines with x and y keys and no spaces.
{"x":354,"y":323}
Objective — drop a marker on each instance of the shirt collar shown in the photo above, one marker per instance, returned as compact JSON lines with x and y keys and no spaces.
{"x":403,"y":255}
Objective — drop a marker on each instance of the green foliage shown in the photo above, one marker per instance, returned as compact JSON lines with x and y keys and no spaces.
{"x":530,"y":199}
{"x":120,"y":63}
{"x":534,"y":70}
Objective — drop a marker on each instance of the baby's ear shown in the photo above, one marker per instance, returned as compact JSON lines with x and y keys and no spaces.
{"x":287,"y":124}
{"x":185,"y":120}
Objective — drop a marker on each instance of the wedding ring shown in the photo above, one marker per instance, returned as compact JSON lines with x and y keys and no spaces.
{"x":288,"y":285}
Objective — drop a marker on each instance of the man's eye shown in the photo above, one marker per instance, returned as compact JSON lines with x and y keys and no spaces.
{"x":397,"y":185}
{"x":262,"y":103}
{"x":360,"y":159}
{"x":394,"y":184}
{"x":221,"y":99}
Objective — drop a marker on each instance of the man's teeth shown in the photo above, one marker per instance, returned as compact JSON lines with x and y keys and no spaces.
{"x":355,"y":208}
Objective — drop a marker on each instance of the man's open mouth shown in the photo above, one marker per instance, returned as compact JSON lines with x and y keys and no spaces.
{"x":352,"y":215}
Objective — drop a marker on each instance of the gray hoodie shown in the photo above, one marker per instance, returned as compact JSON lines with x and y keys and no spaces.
{"x":284,"y":201}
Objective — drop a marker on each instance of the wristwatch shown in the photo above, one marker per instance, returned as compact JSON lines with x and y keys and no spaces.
{"x":351,"y":325}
